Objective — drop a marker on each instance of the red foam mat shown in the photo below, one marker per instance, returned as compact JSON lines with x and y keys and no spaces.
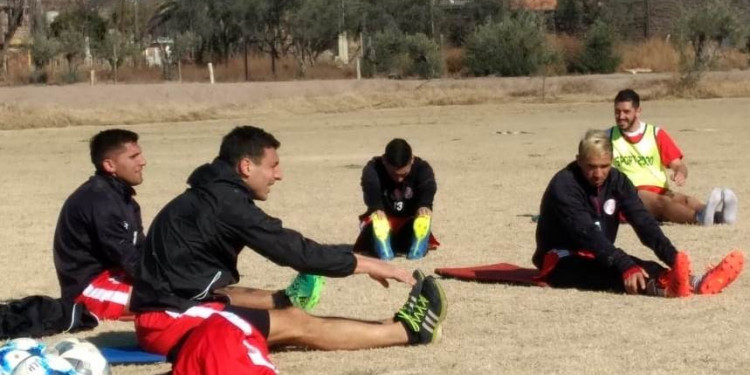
{"x":496,"y":273}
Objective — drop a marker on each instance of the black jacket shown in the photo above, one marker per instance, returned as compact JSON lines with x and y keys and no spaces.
{"x":577,"y":216}
{"x":38,"y":316}
{"x":382,"y":193}
{"x":194,"y":241}
{"x":99,"y":229}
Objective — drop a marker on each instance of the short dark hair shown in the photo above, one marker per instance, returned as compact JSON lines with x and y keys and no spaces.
{"x":628,"y":95}
{"x":246,"y":141}
{"x":107,"y":141}
{"x":397,"y":153}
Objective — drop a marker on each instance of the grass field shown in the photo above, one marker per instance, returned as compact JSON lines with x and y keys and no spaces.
{"x":489,"y":181}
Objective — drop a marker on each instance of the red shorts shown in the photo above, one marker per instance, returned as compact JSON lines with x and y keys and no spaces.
{"x":653,"y":189}
{"x":224,"y":344}
{"x":107,"y":296}
{"x":160,"y":331}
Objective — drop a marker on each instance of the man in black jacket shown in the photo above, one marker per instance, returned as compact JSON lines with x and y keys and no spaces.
{"x":398,"y":190}
{"x":192,"y":249}
{"x":578,"y":224}
{"x":99,"y":235}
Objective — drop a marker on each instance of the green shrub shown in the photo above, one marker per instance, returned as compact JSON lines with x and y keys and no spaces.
{"x":398,"y":55}
{"x":598,"y":55}
{"x":424,"y":59}
{"x":513,"y":47}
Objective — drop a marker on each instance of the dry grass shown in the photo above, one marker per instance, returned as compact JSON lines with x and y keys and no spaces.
{"x":655,"y":54}
{"x":231,"y":71}
{"x":454,"y":61}
{"x":731,"y":59}
{"x":483,"y":177}
{"x":41,"y":107}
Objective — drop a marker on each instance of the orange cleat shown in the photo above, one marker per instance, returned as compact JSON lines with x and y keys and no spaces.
{"x":719,"y":277}
{"x":678,"y":284}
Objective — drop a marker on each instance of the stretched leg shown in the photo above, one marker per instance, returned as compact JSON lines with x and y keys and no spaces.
{"x":418,"y":322}
{"x":293,"y":326}
{"x":687,"y":200}
{"x":303,"y":292}
{"x":255,"y":298}
{"x":665,"y":208}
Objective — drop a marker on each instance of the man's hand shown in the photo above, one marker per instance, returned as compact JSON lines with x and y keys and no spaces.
{"x":635,"y":280}
{"x":678,"y":178}
{"x":382,"y":271}
{"x":679,"y":172}
{"x":424,"y":211}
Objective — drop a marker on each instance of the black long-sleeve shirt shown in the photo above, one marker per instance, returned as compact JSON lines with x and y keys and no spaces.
{"x":398,"y":199}
{"x":99,"y":229}
{"x":577,"y":216}
{"x":194,"y":241}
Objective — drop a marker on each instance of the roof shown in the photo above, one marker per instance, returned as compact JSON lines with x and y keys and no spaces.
{"x":534,"y":4}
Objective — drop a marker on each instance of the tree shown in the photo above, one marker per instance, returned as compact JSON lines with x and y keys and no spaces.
{"x":73,"y":48}
{"x":513,"y":47}
{"x":115,"y":48}
{"x":701,"y":32}
{"x":43,"y":50}
{"x":276,"y":39}
{"x":598,"y":55}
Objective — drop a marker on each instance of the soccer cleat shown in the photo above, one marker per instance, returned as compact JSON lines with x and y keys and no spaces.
{"x":731,"y":206}
{"x":417,"y":288}
{"x":424,"y":317}
{"x":304,"y":291}
{"x":678,"y":284}
{"x":421,"y":238}
{"x":719,"y":277}
{"x":706,"y":216}
{"x":381,"y":229}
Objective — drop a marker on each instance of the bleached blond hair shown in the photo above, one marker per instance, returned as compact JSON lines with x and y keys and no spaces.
{"x":596,"y":142}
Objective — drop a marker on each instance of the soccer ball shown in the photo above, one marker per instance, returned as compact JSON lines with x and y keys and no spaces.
{"x":16,"y":351}
{"x":84,"y":356}
{"x":49,"y":364}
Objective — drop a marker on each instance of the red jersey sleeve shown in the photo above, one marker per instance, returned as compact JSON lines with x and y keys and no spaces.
{"x":667,"y":147}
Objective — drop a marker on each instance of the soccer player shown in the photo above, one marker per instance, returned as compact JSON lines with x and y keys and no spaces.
{"x":399,"y":189}
{"x":99,"y":235}
{"x":99,"y":238}
{"x":643,"y":152}
{"x":578,"y":224}
{"x":191,"y":251}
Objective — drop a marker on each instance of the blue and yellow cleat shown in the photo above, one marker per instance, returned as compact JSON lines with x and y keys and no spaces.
{"x":381,"y":230}
{"x":421,"y":238}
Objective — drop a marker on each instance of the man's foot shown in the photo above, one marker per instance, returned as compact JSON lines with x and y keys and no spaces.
{"x":731,"y":206}
{"x":423,"y":319}
{"x":381,"y":230}
{"x":706,"y":216}
{"x":719,"y":277}
{"x":304,"y":291}
{"x":678,"y":284}
{"x":421,"y":238}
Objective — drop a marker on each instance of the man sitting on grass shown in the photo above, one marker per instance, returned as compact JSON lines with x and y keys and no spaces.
{"x":579,"y":221}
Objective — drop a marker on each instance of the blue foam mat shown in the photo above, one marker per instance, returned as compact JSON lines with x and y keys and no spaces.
{"x":130,"y":355}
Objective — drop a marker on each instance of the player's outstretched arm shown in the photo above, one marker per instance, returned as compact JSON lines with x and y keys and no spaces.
{"x":382,"y":271}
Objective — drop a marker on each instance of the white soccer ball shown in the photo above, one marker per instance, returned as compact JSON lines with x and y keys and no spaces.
{"x":84,"y":356}
{"x":44,"y":365}
{"x":16,"y":351}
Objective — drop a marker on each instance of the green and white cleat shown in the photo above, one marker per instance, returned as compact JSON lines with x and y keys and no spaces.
{"x":304,"y":291}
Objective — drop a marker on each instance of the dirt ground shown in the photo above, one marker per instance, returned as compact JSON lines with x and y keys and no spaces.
{"x":490,"y":179}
